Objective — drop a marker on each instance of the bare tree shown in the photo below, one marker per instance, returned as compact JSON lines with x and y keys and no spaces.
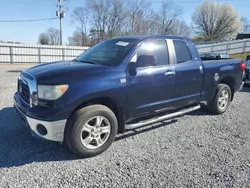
{"x":167,"y":16}
{"x":217,"y":21}
{"x":180,"y":28}
{"x":139,"y":12}
{"x":54,"y":36}
{"x":108,"y":17}
{"x":78,"y":39}
{"x":80,"y":17}
{"x":43,"y":39}
{"x":246,"y":25}
{"x":99,"y":13}
{"x":51,"y":37}
{"x":116,"y":18}
{"x":145,"y":21}
{"x":95,"y":36}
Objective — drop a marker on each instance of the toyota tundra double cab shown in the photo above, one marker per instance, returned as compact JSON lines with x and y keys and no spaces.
{"x":121,"y":84}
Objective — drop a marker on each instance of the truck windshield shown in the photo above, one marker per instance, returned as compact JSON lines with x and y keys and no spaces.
{"x":108,"y":53}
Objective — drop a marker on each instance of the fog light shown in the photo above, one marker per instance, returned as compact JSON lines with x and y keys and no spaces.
{"x":41,"y":129}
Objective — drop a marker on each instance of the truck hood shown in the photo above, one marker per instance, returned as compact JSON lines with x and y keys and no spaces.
{"x":63,"y":71}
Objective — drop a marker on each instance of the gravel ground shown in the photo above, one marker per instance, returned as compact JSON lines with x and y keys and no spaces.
{"x":196,"y":150}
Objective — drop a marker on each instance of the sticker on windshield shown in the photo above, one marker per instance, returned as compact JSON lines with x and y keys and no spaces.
{"x":120,"y":43}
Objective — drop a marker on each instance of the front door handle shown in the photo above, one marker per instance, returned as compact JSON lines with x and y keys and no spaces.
{"x":169,"y":73}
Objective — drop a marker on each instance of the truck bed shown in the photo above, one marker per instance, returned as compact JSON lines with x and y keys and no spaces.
{"x":215,"y":69}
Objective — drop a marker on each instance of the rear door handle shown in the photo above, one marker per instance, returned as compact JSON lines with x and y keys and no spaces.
{"x":169,"y":73}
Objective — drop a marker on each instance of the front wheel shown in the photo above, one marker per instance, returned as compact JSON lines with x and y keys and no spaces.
{"x":91,"y":130}
{"x":221,"y":100}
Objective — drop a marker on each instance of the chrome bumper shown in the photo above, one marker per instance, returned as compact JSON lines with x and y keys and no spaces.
{"x":53,"y":131}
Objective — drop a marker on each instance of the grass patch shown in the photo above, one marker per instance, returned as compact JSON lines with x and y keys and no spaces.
{"x":240,"y":56}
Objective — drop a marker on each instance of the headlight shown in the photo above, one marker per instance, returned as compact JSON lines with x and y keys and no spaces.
{"x":51,"y":92}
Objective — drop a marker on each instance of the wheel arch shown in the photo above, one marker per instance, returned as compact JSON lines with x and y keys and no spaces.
{"x":230,"y":81}
{"x":110,"y":103}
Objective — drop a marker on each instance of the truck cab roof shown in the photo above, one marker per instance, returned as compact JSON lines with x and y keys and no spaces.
{"x":143,"y":37}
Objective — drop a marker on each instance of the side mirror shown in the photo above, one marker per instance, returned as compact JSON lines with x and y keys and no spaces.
{"x":146,"y":61}
{"x":142,"y":61}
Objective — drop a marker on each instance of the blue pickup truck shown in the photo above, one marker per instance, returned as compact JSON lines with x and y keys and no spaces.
{"x":122,"y":84}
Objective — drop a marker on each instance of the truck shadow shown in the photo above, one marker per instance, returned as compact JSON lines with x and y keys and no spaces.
{"x":18,"y":147}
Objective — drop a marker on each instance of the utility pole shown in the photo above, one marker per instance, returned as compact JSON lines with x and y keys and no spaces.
{"x":60,"y":14}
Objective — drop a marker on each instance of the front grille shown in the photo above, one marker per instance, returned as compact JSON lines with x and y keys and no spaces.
{"x":24,"y":91}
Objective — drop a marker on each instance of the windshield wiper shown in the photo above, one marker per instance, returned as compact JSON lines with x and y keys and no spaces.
{"x":87,"y":61}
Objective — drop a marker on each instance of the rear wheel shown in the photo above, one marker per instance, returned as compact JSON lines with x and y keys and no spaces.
{"x":91,"y":130}
{"x":221,"y":100}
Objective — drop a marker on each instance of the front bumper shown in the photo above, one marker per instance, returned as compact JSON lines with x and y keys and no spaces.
{"x":48,"y":130}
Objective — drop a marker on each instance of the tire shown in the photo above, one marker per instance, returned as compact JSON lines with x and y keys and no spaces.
{"x":215,"y":105}
{"x":87,"y":118}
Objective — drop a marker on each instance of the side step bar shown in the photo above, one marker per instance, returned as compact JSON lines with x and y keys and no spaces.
{"x":161,"y":118}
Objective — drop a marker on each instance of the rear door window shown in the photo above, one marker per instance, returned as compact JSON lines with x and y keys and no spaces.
{"x":182,"y":51}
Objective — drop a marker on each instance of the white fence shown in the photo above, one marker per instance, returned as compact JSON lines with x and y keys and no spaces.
{"x":232,"y":47}
{"x":23,"y":53}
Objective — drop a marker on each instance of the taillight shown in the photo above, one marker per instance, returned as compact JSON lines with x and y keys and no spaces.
{"x":243,"y":66}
